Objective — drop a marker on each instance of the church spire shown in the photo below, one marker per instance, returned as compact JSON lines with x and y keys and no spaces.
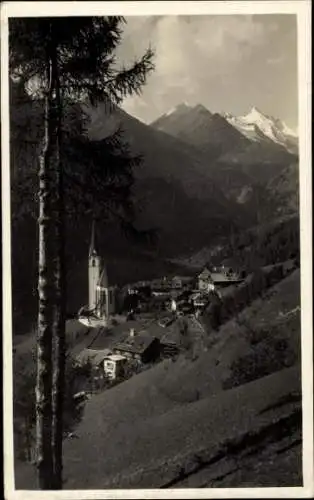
{"x":92,"y":247}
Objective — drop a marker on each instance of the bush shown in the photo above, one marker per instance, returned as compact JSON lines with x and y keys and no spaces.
{"x":268,"y":357}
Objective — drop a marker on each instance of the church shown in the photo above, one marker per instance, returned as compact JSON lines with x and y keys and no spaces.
{"x":101,"y":296}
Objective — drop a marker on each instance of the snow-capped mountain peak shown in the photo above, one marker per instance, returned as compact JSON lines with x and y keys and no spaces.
{"x":257,"y":126}
{"x":182,"y":115}
{"x":255,"y":115}
{"x":182,"y":107}
{"x":186,"y":120}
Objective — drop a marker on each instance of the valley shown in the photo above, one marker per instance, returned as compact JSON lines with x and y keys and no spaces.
{"x":195,"y":418}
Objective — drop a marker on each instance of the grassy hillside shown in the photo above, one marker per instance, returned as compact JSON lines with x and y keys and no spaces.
{"x":218,"y":418}
{"x":207,"y":443}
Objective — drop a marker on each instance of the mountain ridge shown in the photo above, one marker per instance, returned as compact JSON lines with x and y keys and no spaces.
{"x":254,"y":126}
{"x":200,"y":128}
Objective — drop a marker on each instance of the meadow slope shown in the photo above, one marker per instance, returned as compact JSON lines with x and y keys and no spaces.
{"x":211,"y":420}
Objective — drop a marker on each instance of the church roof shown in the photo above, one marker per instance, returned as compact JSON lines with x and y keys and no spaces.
{"x":92,"y":247}
{"x":103,"y":280}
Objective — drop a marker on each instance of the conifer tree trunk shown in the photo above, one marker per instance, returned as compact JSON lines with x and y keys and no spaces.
{"x":46,"y":300}
{"x":60,"y":310}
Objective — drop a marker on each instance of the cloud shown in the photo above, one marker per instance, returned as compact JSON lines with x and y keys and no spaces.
{"x":204,"y":42}
{"x":211,"y":59}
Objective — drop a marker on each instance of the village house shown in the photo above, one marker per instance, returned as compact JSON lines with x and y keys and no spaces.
{"x":220,"y":276}
{"x":114,"y":365}
{"x":139,"y":346}
{"x":199,"y":300}
{"x":225,"y":276}
{"x":160,"y":284}
{"x":204,"y":280}
{"x":94,"y":357}
{"x":179,"y":282}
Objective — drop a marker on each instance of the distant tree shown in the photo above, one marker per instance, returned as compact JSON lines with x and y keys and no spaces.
{"x":213,"y":312}
{"x":185,"y":341}
{"x":62,"y":62}
{"x":130,"y":302}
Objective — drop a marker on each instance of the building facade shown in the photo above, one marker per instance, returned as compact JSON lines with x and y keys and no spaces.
{"x":138,"y":346}
{"x":205,"y":282}
{"x":101,"y":295}
{"x":114,"y":365}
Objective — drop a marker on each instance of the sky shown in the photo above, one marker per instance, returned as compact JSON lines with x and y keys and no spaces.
{"x":228,"y":63}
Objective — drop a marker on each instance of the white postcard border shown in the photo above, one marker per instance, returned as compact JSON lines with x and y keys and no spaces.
{"x":303,"y":10}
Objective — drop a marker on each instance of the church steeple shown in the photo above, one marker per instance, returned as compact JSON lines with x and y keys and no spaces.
{"x":92,"y":247}
{"x":101,"y":294}
{"x":94,"y":270}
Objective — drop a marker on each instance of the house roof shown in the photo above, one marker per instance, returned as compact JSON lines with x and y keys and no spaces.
{"x":205,"y":273}
{"x":171,"y":336}
{"x":95,"y":335}
{"x":94,"y":356}
{"x":75,"y":331}
{"x":115,"y":357}
{"x":161,"y":293}
{"x":74,"y":326}
{"x":137,"y":344}
{"x":160,"y":283}
{"x":223,"y":277}
{"x":155,"y":330}
{"x":185,"y":279}
{"x":108,"y":336}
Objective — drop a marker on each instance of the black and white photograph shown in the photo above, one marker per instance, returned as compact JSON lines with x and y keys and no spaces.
{"x":157,"y":249}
